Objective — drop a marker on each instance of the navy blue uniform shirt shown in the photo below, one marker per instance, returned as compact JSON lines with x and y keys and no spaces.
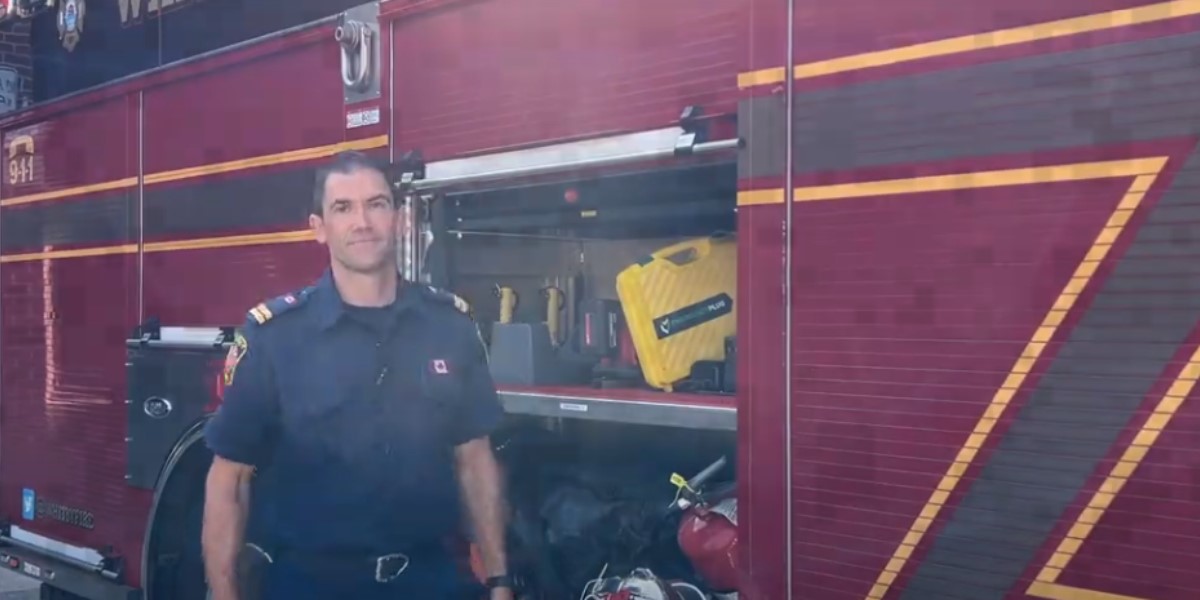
{"x":351,"y":415}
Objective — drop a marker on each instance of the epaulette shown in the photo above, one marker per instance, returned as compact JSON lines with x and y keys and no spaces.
{"x":443,"y":296}
{"x":265,"y":311}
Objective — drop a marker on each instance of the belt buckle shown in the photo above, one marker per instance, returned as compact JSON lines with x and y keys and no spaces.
{"x":379,"y":562}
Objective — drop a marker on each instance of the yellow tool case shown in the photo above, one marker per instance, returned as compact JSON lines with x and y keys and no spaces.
{"x":678,"y":304}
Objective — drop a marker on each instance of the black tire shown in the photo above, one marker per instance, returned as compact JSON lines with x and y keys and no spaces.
{"x":177,"y":562}
{"x":190,"y":580}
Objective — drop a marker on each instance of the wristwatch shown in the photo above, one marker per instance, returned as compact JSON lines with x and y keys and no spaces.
{"x":499,"y":581}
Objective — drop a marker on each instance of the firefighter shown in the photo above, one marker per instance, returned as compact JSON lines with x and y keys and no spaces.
{"x":361,"y":407}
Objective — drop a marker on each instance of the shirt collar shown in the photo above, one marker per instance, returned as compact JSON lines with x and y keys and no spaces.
{"x":330,"y":308}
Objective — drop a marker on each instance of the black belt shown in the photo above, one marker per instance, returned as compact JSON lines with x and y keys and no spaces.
{"x":385,"y":567}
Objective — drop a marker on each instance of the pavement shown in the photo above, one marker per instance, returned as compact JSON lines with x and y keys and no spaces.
{"x":14,"y":586}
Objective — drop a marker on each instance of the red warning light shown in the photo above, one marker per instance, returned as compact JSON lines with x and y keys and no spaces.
{"x":571,"y":195}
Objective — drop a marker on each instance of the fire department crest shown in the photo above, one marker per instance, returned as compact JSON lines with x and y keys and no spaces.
{"x":70,"y":22}
{"x":236,"y":351}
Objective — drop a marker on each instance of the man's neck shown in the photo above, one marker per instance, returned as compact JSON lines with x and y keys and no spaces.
{"x":366,"y":289}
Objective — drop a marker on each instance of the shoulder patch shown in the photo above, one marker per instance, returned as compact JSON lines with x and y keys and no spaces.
{"x":236,"y":351}
{"x":450,"y":298}
{"x":265,"y":311}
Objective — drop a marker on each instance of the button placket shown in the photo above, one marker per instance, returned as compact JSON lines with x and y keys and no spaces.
{"x":382,"y":360}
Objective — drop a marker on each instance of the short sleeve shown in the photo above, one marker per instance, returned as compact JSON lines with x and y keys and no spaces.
{"x":243,"y":426}
{"x":479,"y":410}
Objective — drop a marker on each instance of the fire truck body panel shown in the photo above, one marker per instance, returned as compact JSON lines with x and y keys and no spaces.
{"x":63,"y":386}
{"x":183,"y":243}
{"x":282,"y":103}
{"x":836,"y":31}
{"x":554,"y":72}
{"x":981,"y":364}
{"x":967,"y":337}
{"x":762,"y":419}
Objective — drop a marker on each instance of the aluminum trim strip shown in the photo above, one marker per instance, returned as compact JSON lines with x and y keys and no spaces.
{"x":598,"y":408}
{"x":544,"y":156}
{"x":76,"y":554}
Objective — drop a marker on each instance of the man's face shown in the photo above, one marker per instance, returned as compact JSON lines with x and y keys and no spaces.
{"x":359,"y":223}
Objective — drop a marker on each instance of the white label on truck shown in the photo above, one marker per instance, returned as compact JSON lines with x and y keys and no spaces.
{"x":573,"y":407}
{"x":362,"y":118}
{"x":32,"y":569}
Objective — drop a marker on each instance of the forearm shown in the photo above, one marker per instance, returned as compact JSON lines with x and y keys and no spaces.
{"x":226,"y":509}
{"x":483,"y":489}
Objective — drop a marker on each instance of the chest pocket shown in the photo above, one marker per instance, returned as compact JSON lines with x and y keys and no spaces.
{"x":441,"y":389}
{"x":441,"y":381}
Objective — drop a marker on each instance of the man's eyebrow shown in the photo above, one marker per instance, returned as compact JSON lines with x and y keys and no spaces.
{"x":370,"y":199}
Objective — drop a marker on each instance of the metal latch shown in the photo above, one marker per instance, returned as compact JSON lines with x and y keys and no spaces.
{"x":358,"y":37}
{"x":357,"y":40}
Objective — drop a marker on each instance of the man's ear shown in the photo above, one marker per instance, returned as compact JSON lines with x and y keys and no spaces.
{"x":318,"y":226}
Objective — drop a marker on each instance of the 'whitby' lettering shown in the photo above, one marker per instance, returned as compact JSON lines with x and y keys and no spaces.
{"x":131,"y":10}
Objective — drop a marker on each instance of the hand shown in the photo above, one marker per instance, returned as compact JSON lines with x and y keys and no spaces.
{"x":227,"y":594}
{"x":501,"y":593}
{"x":223,"y":590}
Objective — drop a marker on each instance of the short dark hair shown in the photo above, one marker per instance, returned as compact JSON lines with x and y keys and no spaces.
{"x":345,"y":162}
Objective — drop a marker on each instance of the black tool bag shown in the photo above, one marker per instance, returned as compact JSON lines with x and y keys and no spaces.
{"x":570,"y":522}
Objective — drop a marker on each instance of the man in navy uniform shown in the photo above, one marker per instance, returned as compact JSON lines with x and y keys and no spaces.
{"x":364,"y":403}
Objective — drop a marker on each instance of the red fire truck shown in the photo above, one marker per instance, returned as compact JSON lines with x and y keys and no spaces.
{"x":964,"y":314}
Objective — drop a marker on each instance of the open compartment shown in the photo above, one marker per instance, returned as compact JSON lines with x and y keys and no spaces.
{"x":618,"y":287}
{"x":602,"y":275}
{"x":595,"y":501}
{"x":608,"y":299}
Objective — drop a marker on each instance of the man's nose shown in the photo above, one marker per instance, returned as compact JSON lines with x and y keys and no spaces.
{"x":359,"y":218}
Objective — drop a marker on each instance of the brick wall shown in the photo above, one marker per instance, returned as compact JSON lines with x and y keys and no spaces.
{"x":15,"y":56}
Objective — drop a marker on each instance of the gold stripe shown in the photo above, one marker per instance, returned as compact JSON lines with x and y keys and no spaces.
{"x":116,"y":184}
{"x":754,"y":197}
{"x":960,"y":181}
{"x":267,"y":160}
{"x":1046,"y":584}
{"x":282,"y":237}
{"x":231,"y":241}
{"x":1144,"y":171}
{"x":1058,"y":591}
{"x":279,"y":158}
{"x":980,"y":41}
{"x":79,"y":253}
